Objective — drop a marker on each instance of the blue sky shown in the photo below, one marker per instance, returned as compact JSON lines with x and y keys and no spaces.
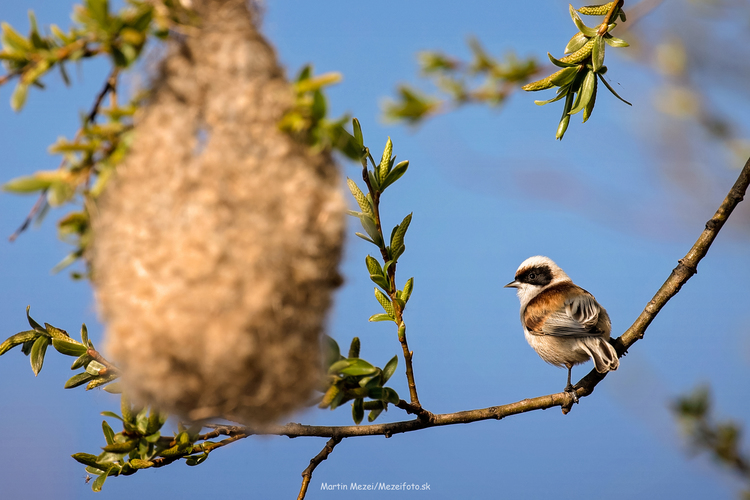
{"x":488,"y":188}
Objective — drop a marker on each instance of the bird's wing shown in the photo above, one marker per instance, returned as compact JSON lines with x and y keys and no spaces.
{"x":578,"y":318}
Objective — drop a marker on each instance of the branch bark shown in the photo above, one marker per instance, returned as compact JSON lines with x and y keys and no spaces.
{"x":314,"y":462}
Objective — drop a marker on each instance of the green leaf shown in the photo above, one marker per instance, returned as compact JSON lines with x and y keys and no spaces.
{"x":38,"y":351}
{"x":78,"y":379}
{"x":587,"y":90}
{"x":123,"y":447}
{"x":374,"y":414}
{"x":319,"y":106}
{"x":69,"y":347}
{"x":331,"y":350}
{"x":381,"y":317}
{"x":111,"y":414}
{"x":373,"y":265}
{"x":114,"y":388}
{"x":26,"y":347}
{"x":612,"y":90}
{"x":14,"y":40}
{"x":138,"y":463}
{"x":80,"y":361}
{"x":99,"y":12}
{"x":395,"y":174}
{"x":36,"y":326}
{"x":597,"y":53}
{"x":565,"y":76}
{"x":575,"y":43}
{"x":374,"y":181}
{"x":368,"y":223}
{"x":141,"y":421}
{"x":589,"y":32}
{"x":366,"y":238}
{"x":408,"y":287}
{"x":109,"y":434}
{"x":383,"y":394}
{"x":559,"y":63}
{"x":559,"y":96}
{"x":389,"y":369}
{"x":354,"y":367}
{"x":18,"y":99}
{"x":358,"y":410}
{"x":565,"y":120}
{"x":590,"y":106}
{"x":28,"y":184}
{"x":156,"y":420}
{"x":99,"y":482}
{"x":85,"y":335}
{"x":17,"y":339}
{"x":358,"y":133}
{"x":615,"y":42}
{"x":196,"y":460}
{"x":87,"y":459}
{"x":397,"y":252}
{"x":380,"y":280}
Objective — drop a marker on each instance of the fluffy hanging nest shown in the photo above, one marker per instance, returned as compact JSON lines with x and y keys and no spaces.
{"x":217,"y":244}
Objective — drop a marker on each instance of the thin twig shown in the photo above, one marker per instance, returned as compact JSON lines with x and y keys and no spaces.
{"x":40,"y":202}
{"x":110,"y":85}
{"x":7,"y":77}
{"x":608,"y":18}
{"x":314,"y":462}
{"x":375,"y":195}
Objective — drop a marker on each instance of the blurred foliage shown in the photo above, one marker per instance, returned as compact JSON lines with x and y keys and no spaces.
{"x":89,"y":159}
{"x":721,"y":439}
{"x":307,"y":121}
{"x":484,"y":80}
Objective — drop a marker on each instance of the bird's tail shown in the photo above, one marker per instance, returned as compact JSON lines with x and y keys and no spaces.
{"x":603,"y":354}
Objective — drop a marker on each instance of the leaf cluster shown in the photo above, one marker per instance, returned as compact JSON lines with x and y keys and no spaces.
{"x":307,"y":120}
{"x":89,"y":159}
{"x":353,"y":378}
{"x":34,"y":344}
{"x":97,"y":30}
{"x":484,"y":79}
{"x":583,"y":67}
{"x":137,"y":445}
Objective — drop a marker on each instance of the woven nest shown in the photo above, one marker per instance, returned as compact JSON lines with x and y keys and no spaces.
{"x":217,"y":243}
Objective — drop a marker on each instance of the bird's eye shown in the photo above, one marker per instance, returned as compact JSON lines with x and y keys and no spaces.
{"x":532,"y":276}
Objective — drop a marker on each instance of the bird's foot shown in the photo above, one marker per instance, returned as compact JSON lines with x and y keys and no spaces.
{"x":570,"y":389}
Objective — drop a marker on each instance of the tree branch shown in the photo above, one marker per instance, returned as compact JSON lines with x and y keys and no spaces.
{"x":680,"y":275}
{"x":314,"y":462}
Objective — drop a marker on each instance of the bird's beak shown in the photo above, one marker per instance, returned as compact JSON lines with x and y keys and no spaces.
{"x":512,"y":284}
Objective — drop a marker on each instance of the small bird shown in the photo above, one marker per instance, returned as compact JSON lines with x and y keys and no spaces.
{"x":562,"y":322}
